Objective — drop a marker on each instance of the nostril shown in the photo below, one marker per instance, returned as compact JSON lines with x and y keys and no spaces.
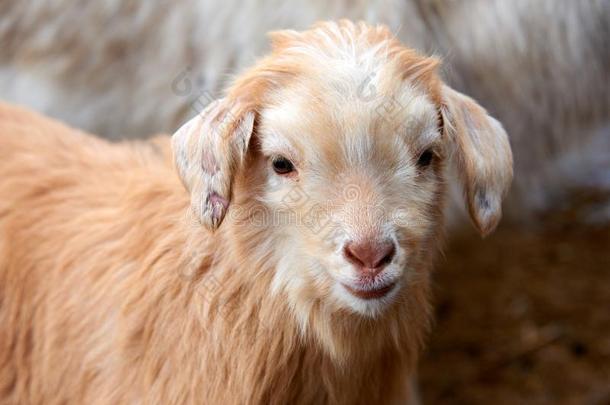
{"x":388,"y":253}
{"x":370,"y":254}
{"x":351,"y":256}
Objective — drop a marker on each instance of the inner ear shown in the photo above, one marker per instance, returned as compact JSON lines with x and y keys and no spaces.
{"x":207,"y":152}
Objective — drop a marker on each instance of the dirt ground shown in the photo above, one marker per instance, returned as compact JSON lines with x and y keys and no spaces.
{"x":522,"y":317}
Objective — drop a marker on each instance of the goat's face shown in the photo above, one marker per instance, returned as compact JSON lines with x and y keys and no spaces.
{"x":346,"y":163}
{"x":353,"y":184}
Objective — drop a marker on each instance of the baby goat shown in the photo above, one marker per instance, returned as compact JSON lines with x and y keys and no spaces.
{"x":299,"y":270}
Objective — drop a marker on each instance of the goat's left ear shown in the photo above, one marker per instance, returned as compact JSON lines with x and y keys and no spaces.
{"x":208,"y":149}
{"x":481,"y":155}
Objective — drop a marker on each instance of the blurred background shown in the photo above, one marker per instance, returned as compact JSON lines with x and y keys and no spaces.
{"x":523,"y":316}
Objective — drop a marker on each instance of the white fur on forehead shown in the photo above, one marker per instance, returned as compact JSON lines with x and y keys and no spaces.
{"x":330,"y":41}
{"x":358,"y":51}
{"x":351,"y":79}
{"x":288,"y":126}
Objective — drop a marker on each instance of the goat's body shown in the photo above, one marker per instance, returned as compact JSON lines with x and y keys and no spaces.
{"x":108,"y":294}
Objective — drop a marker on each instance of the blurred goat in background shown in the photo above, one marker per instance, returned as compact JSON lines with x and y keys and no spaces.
{"x":129,"y":68}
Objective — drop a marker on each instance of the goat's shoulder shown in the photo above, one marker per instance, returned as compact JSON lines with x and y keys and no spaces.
{"x":58,"y":179}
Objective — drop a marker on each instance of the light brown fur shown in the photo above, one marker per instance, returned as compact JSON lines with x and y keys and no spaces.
{"x":112,"y":291}
{"x":102,"y":303}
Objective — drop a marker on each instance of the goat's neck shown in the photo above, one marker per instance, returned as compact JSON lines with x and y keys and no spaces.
{"x":242,"y":310}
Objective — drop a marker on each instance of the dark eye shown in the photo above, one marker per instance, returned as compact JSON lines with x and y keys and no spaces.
{"x":281,"y":165}
{"x":425,"y":158}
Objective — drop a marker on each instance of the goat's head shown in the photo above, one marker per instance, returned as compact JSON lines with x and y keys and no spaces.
{"x":335,"y":146}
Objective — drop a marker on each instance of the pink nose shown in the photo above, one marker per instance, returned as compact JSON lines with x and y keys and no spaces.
{"x":370,"y":256}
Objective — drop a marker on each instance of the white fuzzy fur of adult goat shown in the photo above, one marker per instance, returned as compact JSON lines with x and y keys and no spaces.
{"x":540,"y":66}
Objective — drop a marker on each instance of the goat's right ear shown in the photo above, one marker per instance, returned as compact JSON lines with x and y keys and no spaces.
{"x":207,"y":151}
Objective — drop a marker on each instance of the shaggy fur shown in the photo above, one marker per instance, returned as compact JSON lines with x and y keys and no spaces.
{"x":540,"y":66}
{"x":116,"y":286}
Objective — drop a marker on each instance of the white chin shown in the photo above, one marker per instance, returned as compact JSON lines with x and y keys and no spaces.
{"x":370,"y":307}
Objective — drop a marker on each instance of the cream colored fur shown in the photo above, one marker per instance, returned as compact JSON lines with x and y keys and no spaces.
{"x":118,"y":287}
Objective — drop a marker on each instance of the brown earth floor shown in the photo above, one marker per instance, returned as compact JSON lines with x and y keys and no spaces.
{"x":522,"y":317}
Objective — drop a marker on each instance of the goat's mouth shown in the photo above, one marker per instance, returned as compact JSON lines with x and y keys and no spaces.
{"x":370,"y":294}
